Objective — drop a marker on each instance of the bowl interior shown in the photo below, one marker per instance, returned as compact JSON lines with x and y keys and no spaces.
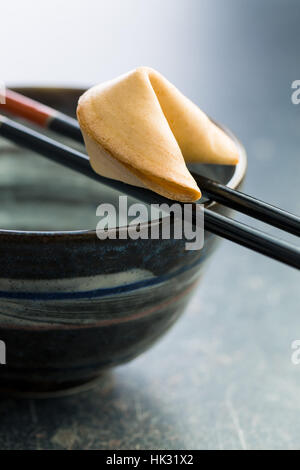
{"x":39,"y":195}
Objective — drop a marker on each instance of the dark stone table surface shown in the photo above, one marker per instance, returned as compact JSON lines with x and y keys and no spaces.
{"x":222,"y":378}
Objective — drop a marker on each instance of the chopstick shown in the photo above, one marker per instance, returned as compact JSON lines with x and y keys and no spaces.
{"x":220,"y":225}
{"x":44,"y":116}
{"x":249,"y":205}
{"x":47,"y":117}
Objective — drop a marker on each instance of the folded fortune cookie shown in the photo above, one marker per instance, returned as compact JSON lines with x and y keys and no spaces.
{"x":141,"y":130}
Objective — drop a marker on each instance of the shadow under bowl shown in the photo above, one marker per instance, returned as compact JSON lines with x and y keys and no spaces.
{"x":72,"y":305}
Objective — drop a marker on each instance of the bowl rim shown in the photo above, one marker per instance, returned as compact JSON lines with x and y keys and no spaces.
{"x":236,"y":179}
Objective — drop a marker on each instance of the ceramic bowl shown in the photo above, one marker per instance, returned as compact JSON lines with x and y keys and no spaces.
{"x":72,"y":305}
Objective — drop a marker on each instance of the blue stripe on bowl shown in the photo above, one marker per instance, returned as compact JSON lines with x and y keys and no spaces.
{"x":102,"y":292}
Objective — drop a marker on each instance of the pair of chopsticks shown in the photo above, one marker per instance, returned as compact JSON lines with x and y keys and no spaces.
{"x":225,"y":227}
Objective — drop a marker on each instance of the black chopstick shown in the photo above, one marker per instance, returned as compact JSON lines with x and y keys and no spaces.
{"x":50,"y":118}
{"x":220,"y":225}
{"x":249,"y":205}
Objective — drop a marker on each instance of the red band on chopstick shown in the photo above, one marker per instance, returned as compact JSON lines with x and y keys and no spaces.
{"x":27,"y":108}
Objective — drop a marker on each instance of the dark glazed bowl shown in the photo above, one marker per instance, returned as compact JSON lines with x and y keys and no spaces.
{"x":70,"y":304}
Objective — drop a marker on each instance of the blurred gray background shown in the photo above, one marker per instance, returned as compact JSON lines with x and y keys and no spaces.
{"x":223,"y":377}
